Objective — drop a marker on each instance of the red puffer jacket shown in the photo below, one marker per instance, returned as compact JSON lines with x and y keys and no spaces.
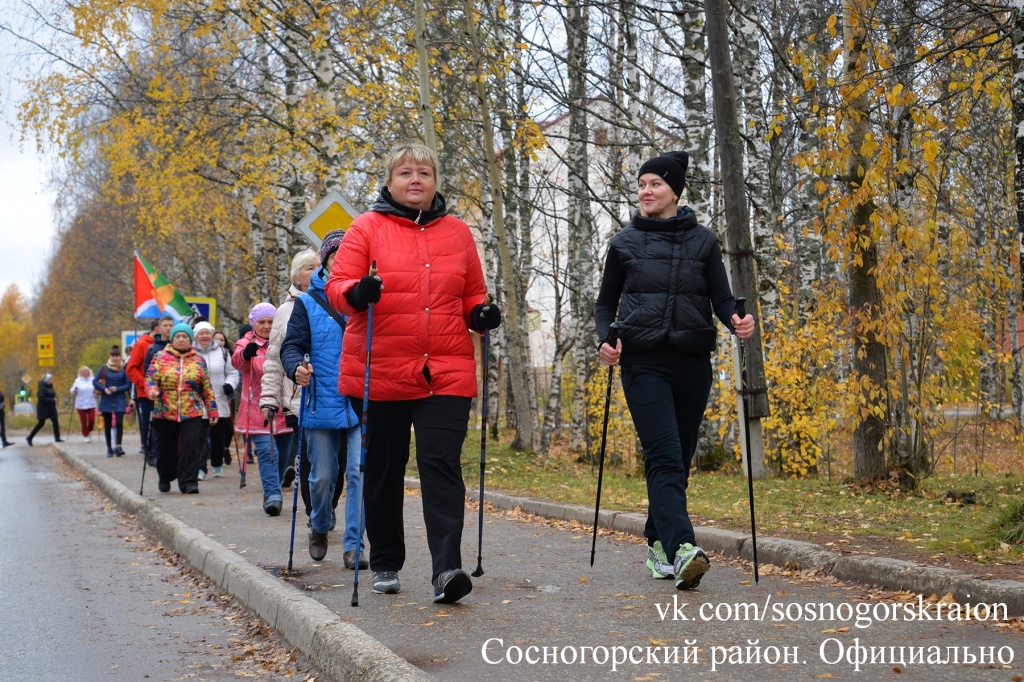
{"x":432,"y":279}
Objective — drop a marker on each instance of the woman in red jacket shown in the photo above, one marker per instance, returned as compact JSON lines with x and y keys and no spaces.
{"x":423,"y":367}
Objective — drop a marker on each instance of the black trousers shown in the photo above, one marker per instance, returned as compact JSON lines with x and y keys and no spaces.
{"x":667,"y":403}
{"x":3,"y":426}
{"x":115,"y":421}
{"x":440,"y":423}
{"x":52,"y":416}
{"x":218,"y":442}
{"x":180,"y":448}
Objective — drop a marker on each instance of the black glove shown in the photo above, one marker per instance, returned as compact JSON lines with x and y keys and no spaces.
{"x":229,"y":390}
{"x":271,"y":413}
{"x":485,"y":316}
{"x":365,"y":292}
{"x":291,"y":421}
{"x":249,"y":352}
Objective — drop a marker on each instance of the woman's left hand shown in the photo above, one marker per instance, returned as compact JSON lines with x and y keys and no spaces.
{"x":213,"y":421}
{"x":745,"y":327}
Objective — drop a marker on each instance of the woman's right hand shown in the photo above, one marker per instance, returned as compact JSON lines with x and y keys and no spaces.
{"x":153,"y":394}
{"x":609,"y":355}
{"x":302,"y":374}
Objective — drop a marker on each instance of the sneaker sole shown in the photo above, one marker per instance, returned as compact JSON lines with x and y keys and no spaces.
{"x":387,"y":590}
{"x":693,"y":572}
{"x":457,"y":588}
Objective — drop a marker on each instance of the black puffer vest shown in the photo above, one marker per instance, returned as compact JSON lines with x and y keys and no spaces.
{"x":665,"y":296}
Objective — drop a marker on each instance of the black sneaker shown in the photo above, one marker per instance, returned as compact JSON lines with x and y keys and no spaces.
{"x":273,"y":508}
{"x":334,"y":519}
{"x":451,"y":586}
{"x":164,"y":486}
{"x":227,"y":457}
{"x":118,"y":451}
{"x":386,"y":582}
{"x":289,"y":476}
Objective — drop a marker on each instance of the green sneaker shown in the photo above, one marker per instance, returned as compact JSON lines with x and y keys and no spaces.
{"x":690,"y":566}
{"x":658,"y":562}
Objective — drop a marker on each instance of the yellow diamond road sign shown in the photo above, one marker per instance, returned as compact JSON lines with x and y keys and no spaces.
{"x":332,"y":213}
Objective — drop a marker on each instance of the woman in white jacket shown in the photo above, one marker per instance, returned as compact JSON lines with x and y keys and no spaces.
{"x":225,"y":379}
{"x":85,"y":401}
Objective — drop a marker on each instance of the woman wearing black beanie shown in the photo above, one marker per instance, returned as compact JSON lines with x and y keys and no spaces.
{"x":664,"y":275}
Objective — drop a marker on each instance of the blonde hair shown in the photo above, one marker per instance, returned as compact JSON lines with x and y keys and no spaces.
{"x":86,"y":368}
{"x":302,"y":259}
{"x":416,"y":153}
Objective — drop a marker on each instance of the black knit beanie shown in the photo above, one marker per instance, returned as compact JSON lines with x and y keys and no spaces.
{"x":671,"y":167}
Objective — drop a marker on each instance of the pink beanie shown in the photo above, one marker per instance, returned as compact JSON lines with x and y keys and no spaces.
{"x":261,"y":310}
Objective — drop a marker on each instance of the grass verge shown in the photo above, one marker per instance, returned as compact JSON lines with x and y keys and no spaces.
{"x":831,"y":513}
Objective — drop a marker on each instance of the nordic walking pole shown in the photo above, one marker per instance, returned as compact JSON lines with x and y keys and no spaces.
{"x":149,"y":446}
{"x":483,"y":448}
{"x":363,"y":429}
{"x":613,"y":338}
{"x":741,"y":311}
{"x":298,"y":464}
{"x":242,"y":460}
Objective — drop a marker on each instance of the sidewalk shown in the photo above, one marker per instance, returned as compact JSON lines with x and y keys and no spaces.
{"x":538,"y":589}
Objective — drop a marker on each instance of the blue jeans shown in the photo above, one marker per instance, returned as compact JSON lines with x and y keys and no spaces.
{"x":325,"y":448}
{"x":268,"y":458}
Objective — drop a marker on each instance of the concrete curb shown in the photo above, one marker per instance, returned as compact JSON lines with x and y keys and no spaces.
{"x":339,"y":650}
{"x":888,"y":573}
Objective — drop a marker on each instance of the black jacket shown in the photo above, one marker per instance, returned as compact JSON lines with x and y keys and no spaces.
{"x":46,"y":401}
{"x":665,"y":277}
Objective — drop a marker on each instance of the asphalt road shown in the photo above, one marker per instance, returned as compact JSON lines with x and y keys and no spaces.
{"x":85,"y":595}
{"x":540,"y":600}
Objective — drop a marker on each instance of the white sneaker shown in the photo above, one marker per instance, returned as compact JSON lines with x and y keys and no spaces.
{"x":217,"y":472}
{"x":202,"y":475}
{"x":88,"y":439}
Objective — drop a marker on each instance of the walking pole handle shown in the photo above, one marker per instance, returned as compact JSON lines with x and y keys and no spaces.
{"x":741,"y":307}
{"x":613,"y":335}
{"x":373,"y":269}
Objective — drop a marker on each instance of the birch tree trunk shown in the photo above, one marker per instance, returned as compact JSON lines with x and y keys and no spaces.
{"x":259,"y":257}
{"x":515,"y":329}
{"x":908,"y":453}
{"x":581,"y":222}
{"x":423,"y":71}
{"x":697,"y":133}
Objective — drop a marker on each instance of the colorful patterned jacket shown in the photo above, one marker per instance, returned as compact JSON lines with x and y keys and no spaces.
{"x":184,"y":386}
